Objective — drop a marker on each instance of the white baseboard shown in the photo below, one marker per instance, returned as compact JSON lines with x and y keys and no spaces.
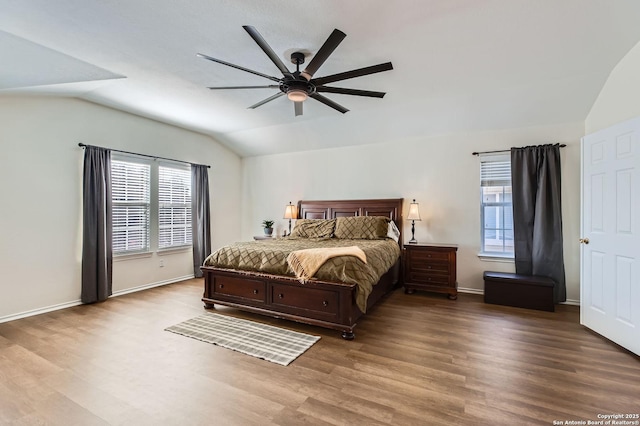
{"x":39,"y":311}
{"x":571,"y":302}
{"x":470,"y":290}
{"x":65,"y":305}
{"x":151,"y":285}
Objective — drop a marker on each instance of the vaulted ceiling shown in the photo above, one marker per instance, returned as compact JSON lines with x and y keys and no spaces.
{"x":459,"y":65}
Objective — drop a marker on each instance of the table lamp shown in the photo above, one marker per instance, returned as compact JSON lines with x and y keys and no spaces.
{"x":414,"y":214}
{"x":290,"y":213}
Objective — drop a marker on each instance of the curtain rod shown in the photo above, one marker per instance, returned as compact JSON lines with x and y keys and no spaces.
{"x":502,"y":150}
{"x":155,"y":157}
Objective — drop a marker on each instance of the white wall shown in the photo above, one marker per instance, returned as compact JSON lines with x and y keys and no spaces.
{"x":439,"y":172}
{"x":41,"y":213}
{"x":41,"y":167}
{"x":618,"y":100}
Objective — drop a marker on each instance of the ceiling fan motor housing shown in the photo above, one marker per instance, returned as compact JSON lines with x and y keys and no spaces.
{"x":295,"y":84}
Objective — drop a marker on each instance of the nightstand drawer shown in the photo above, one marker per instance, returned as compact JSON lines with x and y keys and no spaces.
{"x":427,"y":278}
{"x":430,"y":267}
{"x":427,"y":255}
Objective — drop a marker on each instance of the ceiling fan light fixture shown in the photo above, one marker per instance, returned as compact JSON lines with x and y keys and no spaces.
{"x":297,"y":95}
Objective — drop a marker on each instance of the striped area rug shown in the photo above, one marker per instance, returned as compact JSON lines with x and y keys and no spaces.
{"x":263,"y":341}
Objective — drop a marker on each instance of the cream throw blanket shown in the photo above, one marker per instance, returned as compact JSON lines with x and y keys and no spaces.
{"x":305,"y":263}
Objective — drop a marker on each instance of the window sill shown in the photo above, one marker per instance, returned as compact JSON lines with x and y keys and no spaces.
{"x":492,"y":257}
{"x":174,"y":250}
{"x":131,"y":256}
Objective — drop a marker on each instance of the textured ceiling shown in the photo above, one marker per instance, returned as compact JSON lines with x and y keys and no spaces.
{"x":22,"y":63}
{"x":459,"y":65}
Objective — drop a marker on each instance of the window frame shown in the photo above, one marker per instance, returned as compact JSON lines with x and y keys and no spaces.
{"x":125,"y":158}
{"x":500,"y":177}
{"x":153,"y":229}
{"x":187,"y":205}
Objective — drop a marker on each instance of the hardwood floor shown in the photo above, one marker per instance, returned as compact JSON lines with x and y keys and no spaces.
{"x":417,"y":359}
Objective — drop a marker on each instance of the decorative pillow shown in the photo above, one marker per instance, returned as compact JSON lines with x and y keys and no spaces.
{"x":314,"y":228}
{"x":362,"y":227}
{"x":393,"y":231}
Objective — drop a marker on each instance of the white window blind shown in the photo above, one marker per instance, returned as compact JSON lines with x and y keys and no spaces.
{"x":174,"y":207}
{"x":495,"y":170}
{"x":130,"y":202}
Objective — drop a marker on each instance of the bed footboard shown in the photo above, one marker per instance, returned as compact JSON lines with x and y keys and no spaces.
{"x":319,"y":303}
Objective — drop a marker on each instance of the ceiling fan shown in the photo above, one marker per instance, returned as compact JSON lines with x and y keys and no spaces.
{"x":300,"y":85}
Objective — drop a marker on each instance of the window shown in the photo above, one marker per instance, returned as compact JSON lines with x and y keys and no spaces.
{"x":151,"y":204}
{"x":130,"y":183}
{"x":174,"y":207}
{"x":496,"y":211}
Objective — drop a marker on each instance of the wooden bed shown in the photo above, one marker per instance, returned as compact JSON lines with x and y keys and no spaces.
{"x":319,"y":303}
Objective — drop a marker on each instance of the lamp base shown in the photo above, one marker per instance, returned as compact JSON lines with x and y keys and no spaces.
{"x":413,"y":233}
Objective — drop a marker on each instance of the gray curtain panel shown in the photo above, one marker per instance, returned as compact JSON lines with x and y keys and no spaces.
{"x":200,"y":216}
{"x":97,"y":254}
{"x":537,"y":214}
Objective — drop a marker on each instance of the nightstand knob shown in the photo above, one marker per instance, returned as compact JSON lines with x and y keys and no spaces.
{"x":281,"y":296}
{"x":221,"y":285}
{"x":255,"y":291}
{"x":325,"y":303}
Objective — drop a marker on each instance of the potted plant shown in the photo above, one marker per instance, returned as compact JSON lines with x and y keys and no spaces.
{"x":268,"y":227}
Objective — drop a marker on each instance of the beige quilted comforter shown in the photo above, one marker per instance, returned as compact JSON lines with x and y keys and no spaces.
{"x":270,"y":256}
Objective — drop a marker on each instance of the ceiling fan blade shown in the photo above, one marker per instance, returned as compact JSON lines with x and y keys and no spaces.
{"x":255,"y":35}
{"x":237,"y":67}
{"x":271,"y":86}
{"x":298,"y":108}
{"x":327,"y":49}
{"x":269,"y":99}
{"x":353,"y":73}
{"x":355,"y":92}
{"x":328,"y":102}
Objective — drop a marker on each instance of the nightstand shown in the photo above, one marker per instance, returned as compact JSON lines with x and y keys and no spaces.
{"x":263,"y":237}
{"x":430,"y":267}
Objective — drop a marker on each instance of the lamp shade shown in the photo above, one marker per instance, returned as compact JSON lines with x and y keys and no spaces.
{"x":414,"y":211}
{"x":290,"y":211}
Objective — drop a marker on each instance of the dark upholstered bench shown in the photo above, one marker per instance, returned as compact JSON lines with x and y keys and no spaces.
{"x":521,"y":291}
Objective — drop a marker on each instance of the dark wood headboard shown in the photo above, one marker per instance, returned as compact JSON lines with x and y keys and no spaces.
{"x":331,"y":209}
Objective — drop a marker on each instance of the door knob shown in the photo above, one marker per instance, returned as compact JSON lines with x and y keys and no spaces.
{"x":584,"y":241}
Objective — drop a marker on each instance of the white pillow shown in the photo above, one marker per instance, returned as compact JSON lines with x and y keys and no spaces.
{"x":393,"y":232}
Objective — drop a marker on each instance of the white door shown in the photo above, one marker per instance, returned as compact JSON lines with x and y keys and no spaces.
{"x":610,"y":249}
